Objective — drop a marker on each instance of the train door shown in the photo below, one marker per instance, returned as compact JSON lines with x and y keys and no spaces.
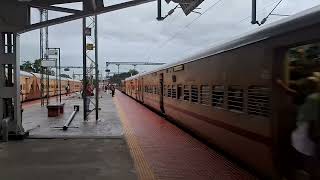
{"x":297,"y":81}
{"x":142,"y":90}
{"x":136,"y":88}
{"x":161,"y":93}
{"x":26,"y":87}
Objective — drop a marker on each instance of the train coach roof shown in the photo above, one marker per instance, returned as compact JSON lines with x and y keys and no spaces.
{"x":24,"y":73}
{"x":299,"y":20}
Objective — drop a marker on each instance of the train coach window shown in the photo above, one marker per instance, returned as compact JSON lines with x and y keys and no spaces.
{"x":259,"y":100}
{"x":194,"y":93}
{"x":174,"y":91}
{"x":204,"y":95}
{"x":179,"y":92}
{"x":217,"y":96}
{"x":169,"y":91}
{"x":186,"y":93}
{"x":235,"y":98}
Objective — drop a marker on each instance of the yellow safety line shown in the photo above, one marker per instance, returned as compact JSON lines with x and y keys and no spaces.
{"x":142,"y":166}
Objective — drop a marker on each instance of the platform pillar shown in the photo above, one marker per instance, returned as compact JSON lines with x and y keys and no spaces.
{"x":10,"y":105}
{"x":13,"y":18}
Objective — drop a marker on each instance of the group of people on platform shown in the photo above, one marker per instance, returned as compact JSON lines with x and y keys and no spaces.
{"x":90,"y":89}
{"x":111,"y":88}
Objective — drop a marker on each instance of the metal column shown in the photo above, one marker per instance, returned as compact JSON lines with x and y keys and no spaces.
{"x":96,"y":66}
{"x":44,"y":44}
{"x":84,"y":61}
{"x":254,"y":12}
{"x":90,"y":64}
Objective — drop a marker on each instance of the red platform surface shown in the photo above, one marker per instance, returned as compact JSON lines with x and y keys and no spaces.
{"x":169,"y":152}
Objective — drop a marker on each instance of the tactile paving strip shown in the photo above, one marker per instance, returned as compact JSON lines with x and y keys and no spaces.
{"x":143,"y":169}
{"x":170,"y":152}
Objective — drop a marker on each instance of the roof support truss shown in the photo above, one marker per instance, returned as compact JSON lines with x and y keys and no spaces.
{"x":91,"y":7}
{"x":55,"y":8}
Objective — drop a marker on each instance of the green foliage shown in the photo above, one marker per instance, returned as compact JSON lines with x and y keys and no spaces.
{"x":116,"y":79}
{"x":37,"y":66}
{"x":26,"y":66}
{"x":34,"y":67}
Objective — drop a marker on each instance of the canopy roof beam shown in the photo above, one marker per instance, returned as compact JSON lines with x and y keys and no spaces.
{"x":87,"y":12}
{"x":55,"y":8}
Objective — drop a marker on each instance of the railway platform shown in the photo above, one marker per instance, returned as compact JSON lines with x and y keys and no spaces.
{"x":128,"y":142}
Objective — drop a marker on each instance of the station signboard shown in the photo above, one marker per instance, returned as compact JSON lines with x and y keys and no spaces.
{"x":52,"y":52}
{"x":52,"y":62}
{"x":90,"y":46}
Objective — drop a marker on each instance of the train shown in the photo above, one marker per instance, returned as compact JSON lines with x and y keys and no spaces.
{"x":229,"y":94}
{"x":30,"y":86}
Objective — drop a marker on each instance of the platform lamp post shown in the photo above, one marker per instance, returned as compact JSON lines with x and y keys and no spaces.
{"x":55,"y":52}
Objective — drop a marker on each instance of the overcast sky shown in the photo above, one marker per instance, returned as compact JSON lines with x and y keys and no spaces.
{"x":134,"y":34}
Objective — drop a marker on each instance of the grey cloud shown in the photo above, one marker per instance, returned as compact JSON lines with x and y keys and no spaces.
{"x":135,"y":34}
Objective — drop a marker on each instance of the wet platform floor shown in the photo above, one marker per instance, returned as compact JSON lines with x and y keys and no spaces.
{"x":36,"y":120}
{"x":128,"y":142}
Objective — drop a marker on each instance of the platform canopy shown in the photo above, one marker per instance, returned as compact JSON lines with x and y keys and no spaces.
{"x":22,"y":9}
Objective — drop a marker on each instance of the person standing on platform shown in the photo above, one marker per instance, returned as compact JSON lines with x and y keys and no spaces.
{"x":68,"y":89}
{"x":89,"y":92}
{"x":112,"y":90}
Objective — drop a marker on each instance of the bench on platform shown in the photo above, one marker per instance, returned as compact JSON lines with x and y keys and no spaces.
{"x":55,"y":109}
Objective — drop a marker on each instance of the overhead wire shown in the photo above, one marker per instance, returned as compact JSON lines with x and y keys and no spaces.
{"x":204,"y":12}
{"x":168,"y":23}
{"x":264,"y":8}
{"x":265,"y":19}
{"x":187,"y":25}
{"x":274,"y":8}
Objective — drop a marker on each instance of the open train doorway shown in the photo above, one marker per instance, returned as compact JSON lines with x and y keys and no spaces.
{"x":301,"y":84}
{"x":142,"y":90}
{"x":161,"y":93}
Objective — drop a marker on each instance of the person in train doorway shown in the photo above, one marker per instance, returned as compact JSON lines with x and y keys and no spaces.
{"x":305,"y":139}
{"x":113,"y":89}
{"x":67,"y":88}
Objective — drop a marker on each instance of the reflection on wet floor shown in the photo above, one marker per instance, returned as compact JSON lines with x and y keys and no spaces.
{"x":36,"y":121}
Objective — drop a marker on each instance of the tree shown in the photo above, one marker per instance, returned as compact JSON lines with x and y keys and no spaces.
{"x":37,"y":66}
{"x":26,"y":66}
{"x":133,"y":72}
{"x":118,"y":77}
